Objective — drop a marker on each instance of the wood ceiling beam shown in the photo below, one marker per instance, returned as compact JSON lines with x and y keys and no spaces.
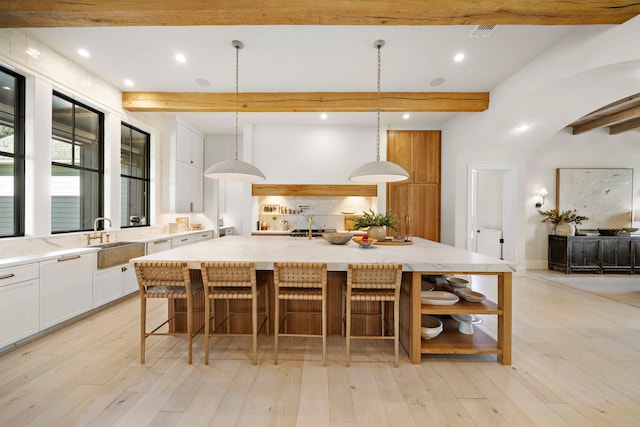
{"x":269,"y":102}
{"x":624,"y":126}
{"x":83,"y":13}
{"x":609,"y":119}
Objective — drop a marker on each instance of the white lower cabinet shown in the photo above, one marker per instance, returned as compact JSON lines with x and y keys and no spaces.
{"x":19,"y":303}
{"x":65,"y":288}
{"x":129,"y":280}
{"x":109,"y":284}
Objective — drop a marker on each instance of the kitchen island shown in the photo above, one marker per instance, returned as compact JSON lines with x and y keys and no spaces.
{"x":422,"y":257}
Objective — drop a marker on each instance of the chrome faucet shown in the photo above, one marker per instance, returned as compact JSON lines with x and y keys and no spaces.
{"x":95,"y":234}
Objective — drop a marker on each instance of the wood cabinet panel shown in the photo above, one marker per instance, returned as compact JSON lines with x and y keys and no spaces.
{"x":416,"y":201}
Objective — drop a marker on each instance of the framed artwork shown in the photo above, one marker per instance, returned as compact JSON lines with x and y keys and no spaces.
{"x":604,"y":195}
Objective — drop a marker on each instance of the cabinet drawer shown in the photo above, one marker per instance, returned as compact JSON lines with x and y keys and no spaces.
{"x":11,"y":275}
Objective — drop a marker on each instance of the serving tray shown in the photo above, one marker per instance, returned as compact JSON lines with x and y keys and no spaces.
{"x":392,"y":243}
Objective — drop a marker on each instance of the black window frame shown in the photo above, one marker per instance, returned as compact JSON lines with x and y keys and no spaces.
{"x":147,"y":174}
{"x":18,"y":154}
{"x":99,"y":170}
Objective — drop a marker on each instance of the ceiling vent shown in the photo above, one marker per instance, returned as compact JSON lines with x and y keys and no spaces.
{"x":482,"y":31}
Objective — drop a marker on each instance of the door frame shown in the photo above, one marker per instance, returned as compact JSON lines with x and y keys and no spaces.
{"x":509,"y":192}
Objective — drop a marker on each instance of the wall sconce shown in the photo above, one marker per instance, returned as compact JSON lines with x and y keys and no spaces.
{"x":543,"y":193}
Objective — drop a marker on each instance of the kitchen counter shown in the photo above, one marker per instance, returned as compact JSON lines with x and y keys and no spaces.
{"x":423,"y":257}
{"x":79,"y":250}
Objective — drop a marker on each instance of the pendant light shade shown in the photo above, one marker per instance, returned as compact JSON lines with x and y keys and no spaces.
{"x":379,"y":170}
{"x":235,"y":170}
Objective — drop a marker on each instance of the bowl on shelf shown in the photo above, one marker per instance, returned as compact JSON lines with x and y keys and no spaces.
{"x":431,"y":327}
{"x":368,"y":243}
{"x":469,"y":295}
{"x":337,"y":238}
{"x":608,"y":231}
{"x":631,"y":229}
{"x":438,"y":298}
{"x":457,"y":282}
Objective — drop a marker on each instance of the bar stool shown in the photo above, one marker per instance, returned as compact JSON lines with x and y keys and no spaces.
{"x":232,"y":281}
{"x":374,"y":282}
{"x":170,"y":280}
{"x":302,"y":281}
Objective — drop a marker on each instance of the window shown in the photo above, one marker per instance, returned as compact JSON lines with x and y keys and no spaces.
{"x":134,"y":176}
{"x":11,"y":154}
{"x":77,"y":165}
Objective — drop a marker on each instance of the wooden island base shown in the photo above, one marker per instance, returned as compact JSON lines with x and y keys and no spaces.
{"x":411,"y":309}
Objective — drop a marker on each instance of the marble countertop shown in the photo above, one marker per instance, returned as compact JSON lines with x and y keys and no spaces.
{"x":423,"y":255}
{"x":61,"y":252}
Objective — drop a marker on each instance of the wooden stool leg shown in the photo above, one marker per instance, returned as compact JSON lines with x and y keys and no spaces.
{"x":143,"y":325}
{"x":254,"y":324}
{"x":266,"y":306}
{"x":348,"y":327}
{"x":276,"y":325}
{"x":190,"y":328}
{"x":207,"y":325}
{"x":324,"y":326}
{"x":396,"y":325}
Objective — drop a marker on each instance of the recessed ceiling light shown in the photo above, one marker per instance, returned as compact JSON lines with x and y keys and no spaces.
{"x":33,"y":52}
{"x":438,"y":81}
{"x":128,"y":82}
{"x":522,"y":127}
{"x":84,"y":53}
{"x":459,"y":57}
{"x":181,"y":58}
{"x":324,"y":116}
{"x":406,"y":116}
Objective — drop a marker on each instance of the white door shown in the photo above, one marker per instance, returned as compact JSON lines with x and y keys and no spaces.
{"x":491,"y":216}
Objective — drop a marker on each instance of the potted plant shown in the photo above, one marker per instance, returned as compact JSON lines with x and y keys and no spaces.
{"x":376,"y":223}
{"x":564,"y":221}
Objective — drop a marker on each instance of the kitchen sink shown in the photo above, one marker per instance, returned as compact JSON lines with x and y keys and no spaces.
{"x":118,"y":253}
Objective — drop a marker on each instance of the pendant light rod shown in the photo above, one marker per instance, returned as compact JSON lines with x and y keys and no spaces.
{"x":235,"y":170}
{"x":379,"y":171}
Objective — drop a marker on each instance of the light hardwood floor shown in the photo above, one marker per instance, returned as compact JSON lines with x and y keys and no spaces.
{"x":576,"y":362}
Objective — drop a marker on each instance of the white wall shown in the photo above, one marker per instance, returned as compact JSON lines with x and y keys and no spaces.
{"x":595,"y":149}
{"x":590,"y":68}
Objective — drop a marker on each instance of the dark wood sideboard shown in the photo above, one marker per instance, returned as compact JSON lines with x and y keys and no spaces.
{"x":595,"y":254}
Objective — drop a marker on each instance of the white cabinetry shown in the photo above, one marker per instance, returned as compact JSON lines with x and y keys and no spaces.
{"x":65,"y":288}
{"x":19,"y":302}
{"x":188,"y":239}
{"x":158,"y":246}
{"x":112,"y":283}
{"x":187,"y":177}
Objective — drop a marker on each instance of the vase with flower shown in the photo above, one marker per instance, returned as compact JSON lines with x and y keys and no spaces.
{"x":564,"y":221}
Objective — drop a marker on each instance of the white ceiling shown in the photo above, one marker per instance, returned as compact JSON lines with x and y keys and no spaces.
{"x":303,"y":59}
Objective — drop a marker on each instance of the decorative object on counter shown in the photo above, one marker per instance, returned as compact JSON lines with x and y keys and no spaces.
{"x":565,"y":221}
{"x":337,"y":238}
{"x":608,"y":231}
{"x":469,"y":295}
{"x":379,"y":170}
{"x":196,"y":226}
{"x":395,"y":241}
{"x":365,"y":241}
{"x":174,"y":227}
{"x":376,"y":223}
{"x":466,"y":322}
{"x":235,"y":170}
{"x":183,"y":222}
{"x":431,"y":327}
{"x":438,"y":298}
{"x":631,"y":229}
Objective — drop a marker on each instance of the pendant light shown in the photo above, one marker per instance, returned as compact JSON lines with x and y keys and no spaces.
{"x":235,"y":170}
{"x":379,"y":170}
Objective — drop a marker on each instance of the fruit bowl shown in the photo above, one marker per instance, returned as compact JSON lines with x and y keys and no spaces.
{"x":608,"y":231}
{"x":364,"y":243}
